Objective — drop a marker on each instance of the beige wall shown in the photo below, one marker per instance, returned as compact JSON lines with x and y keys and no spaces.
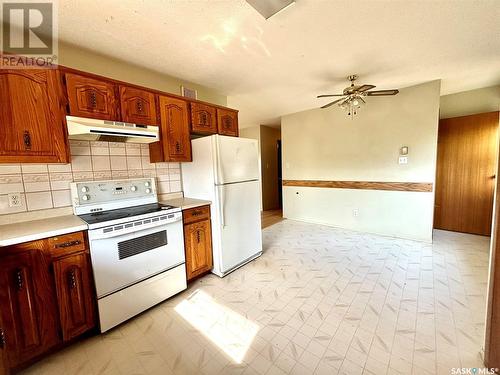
{"x":89,"y":61}
{"x":471,"y":102}
{"x":269,"y":160}
{"x":327,"y":145}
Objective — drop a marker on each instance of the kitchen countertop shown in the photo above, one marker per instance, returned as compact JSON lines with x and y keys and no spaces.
{"x":185,"y":203}
{"x":24,"y":231}
{"x":11,"y":234}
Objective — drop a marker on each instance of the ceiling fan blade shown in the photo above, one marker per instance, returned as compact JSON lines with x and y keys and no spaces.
{"x":365,"y":87}
{"x":382,"y":92}
{"x":332,"y":103}
{"x":327,"y":96}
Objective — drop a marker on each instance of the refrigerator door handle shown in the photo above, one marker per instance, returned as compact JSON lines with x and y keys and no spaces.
{"x":221,"y":206}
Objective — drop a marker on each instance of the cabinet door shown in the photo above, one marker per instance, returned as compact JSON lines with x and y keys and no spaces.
{"x":74,"y":294}
{"x":4,"y":365}
{"x":138,"y":106}
{"x":32,"y":124}
{"x":89,"y":97}
{"x":203,"y":119}
{"x":198,"y":246}
{"x":27,"y":306}
{"x":175,"y":143}
{"x":227,"y":122}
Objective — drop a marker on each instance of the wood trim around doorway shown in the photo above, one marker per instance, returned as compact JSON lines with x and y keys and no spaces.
{"x":492,"y":336}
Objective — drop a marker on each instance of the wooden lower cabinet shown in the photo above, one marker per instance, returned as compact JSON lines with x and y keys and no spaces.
{"x":197,"y":243}
{"x":74,"y":294}
{"x":3,"y":358}
{"x":27,"y":303}
{"x":44,"y":301}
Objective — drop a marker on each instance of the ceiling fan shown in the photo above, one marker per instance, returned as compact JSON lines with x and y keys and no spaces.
{"x":352,"y":96}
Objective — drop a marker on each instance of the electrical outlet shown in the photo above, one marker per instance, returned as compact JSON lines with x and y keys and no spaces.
{"x":15,"y":200}
{"x":355,"y":212}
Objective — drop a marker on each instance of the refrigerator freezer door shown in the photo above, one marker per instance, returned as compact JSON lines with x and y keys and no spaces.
{"x":237,"y":160}
{"x":239,"y":231}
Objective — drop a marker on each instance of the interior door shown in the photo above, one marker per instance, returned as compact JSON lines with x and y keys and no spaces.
{"x":465,"y":176}
{"x":239,"y":218}
{"x":238,"y":160}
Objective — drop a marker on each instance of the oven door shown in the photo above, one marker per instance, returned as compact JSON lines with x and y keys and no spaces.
{"x":124,"y":259}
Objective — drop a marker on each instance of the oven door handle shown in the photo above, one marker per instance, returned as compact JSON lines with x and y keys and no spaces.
{"x":97,"y":234}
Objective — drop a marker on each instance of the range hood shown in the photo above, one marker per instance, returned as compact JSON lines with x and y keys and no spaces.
{"x":86,"y":129}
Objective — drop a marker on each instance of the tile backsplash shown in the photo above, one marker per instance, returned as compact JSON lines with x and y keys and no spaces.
{"x":44,"y":186}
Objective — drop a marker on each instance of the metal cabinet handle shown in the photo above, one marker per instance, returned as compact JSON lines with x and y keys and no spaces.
{"x":68,"y":244}
{"x":93,"y":99}
{"x":72,"y":279}
{"x":177,"y":146}
{"x":27,"y":139}
{"x":19,"y":279}
{"x":2,"y":338}
{"x":228,"y":123}
{"x":198,"y":236}
{"x":139,"y":106}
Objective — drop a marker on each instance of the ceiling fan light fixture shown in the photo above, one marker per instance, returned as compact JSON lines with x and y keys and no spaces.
{"x":269,"y":8}
{"x":354,"y":94}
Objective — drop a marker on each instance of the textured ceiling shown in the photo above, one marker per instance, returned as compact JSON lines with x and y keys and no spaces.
{"x":274,"y":67}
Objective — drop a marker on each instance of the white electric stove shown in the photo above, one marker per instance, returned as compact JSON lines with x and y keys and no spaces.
{"x":136,"y":246}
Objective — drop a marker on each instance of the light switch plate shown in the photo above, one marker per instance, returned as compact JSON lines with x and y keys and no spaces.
{"x":403,"y":160}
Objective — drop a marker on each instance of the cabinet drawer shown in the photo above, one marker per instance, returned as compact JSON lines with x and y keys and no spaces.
{"x":66,"y":244}
{"x":196,"y":214}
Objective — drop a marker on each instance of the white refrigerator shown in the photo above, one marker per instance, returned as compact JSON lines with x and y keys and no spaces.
{"x":225,"y":170}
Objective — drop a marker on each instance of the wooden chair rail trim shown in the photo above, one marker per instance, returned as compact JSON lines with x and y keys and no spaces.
{"x":363,"y":185}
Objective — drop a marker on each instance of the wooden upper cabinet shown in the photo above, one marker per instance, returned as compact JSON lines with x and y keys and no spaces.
{"x":175,"y":144}
{"x":203,"y":119}
{"x":138,"y":106}
{"x":74,"y":294}
{"x":89,"y":97}
{"x":227,"y":122}
{"x":27,"y":303}
{"x":32,"y":125}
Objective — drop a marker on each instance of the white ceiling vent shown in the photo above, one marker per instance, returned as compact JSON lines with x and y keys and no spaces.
{"x":268,"y":8}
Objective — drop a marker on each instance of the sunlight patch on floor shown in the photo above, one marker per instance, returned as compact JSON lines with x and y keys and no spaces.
{"x":230,"y":331}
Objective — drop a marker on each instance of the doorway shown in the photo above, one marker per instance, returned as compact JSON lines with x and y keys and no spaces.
{"x":465,"y":174}
{"x":280,"y":174}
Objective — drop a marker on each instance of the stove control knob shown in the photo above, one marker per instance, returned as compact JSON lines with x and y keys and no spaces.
{"x":147,"y":184}
{"x":85,"y":189}
{"x":85,"y":197}
{"x":133,"y":188}
{"x":148,"y":190}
